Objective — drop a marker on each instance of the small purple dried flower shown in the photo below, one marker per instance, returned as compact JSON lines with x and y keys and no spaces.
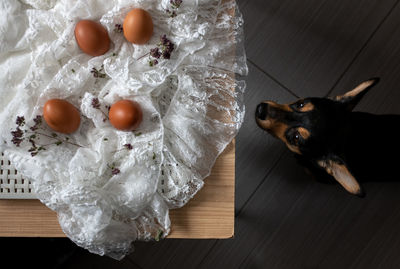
{"x":98,"y":73}
{"x":115,"y":171}
{"x":164,"y":40}
{"x":155,"y":53}
{"x":163,"y":50}
{"x":33,"y":151}
{"x":153,"y":62}
{"x":172,"y":14}
{"x":128,"y":146}
{"x":38,"y":121}
{"x":170,"y":46}
{"x":96,"y":103}
{"x":118,"y":28}
{"x":166,"y":54}
{"x":17,"y":133}
{"x":175,"y":3}
{"x":94,"y":72}
{"x":167,"y":47}
{"x":20,"y":121}
{"x":17,"y":137}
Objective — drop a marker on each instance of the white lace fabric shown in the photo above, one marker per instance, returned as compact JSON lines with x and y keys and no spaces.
{"x":192,"y":108}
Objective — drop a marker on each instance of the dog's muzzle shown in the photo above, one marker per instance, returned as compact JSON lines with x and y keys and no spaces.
{"x":262,"y":111}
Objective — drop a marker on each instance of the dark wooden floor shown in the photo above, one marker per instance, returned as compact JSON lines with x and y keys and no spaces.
{"x":283,"y":218}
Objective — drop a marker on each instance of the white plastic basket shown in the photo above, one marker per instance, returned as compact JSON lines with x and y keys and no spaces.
{"x":12,"y":185}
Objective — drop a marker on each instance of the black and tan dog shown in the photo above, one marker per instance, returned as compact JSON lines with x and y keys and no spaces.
{"x":334,"y":142}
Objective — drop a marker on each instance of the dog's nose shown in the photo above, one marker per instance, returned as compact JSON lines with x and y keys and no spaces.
{"x":262,"y":111}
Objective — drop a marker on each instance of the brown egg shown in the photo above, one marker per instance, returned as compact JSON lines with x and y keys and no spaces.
{"x":61,"y":116}
{"x":138,"y":26}
{"x":92,"y":37}
{"x":125,"y":115}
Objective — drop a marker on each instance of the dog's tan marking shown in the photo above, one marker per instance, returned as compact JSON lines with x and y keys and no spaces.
{"x":307,"y":107}
{"x":295,"y":149}
{"x":342,"y":175}
{"x":265,"y":124}
{"x":303,"y":132}
{"x":356,"y":90}
{"x":283,"y":107}
{"x":278,"y":129}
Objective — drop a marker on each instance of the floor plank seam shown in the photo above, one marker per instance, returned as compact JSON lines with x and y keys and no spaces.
{"x":273,"y":235}
{"x":244,"y":205}
{"x":134,"y":263}
{"x":365,"y":247}
{"x":261,"y":182}
{"x":208,"y":253}
{"x":362,"y":48}
{"x":272,"y":78}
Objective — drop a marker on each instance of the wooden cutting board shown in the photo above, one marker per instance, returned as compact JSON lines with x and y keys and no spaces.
{"x":210,"y":214}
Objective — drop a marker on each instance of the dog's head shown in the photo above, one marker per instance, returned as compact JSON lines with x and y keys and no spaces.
{"x":315,"y":128}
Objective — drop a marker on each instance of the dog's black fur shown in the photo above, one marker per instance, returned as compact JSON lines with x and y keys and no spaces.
{"x":334,"y":142}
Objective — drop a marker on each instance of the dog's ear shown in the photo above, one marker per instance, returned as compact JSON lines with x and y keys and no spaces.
{"x":338,"y":169}
{"x":351,"y":98}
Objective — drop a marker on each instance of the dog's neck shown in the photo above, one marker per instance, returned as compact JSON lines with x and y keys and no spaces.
{"x":371,"y":144}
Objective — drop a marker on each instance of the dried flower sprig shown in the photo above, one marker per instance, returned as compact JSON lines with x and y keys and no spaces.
{"x":118,"y":28}
{"x":171,"y":13}
{"x":96,"y":105}
{"x":163,"y":50}
{"x":20,"y":121}
{"x":98,"y":73}
{"x":38,"y":122}
{"x":124,"y":147}
{"x":128,"y":146}
{"x":175,"y":4}
{"x":166,"y":46}
{"x":114,"y":170}
{"x":31,"y":135}
{"x":18,"y":137}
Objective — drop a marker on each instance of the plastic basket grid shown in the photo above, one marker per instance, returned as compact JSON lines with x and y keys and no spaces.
{"x":12,"y":184}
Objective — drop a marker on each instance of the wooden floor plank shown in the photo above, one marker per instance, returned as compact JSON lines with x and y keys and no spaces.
{"x":171,"y":253}
{"x":256,"y":152}
{"x":306,"y":44}
{"x":262,"y":216}
{"x":84,"y":260}
{"x":380,"y":58}
{"x":326,"y":228}
{"x":383,"y":253}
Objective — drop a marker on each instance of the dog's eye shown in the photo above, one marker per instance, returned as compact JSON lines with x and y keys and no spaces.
{"x":293,"y":136}
{"x":296,"y":137}
{"x":300,"y":104}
